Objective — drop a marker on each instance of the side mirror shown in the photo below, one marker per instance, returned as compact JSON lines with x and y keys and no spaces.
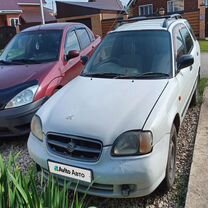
{"x":72,"y":54}
{"x":185,"y":61}
{"x":84,"y":60}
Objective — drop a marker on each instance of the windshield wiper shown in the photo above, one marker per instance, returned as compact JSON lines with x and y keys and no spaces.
{"x":25,"y":61}
{"x":144,"y":75}
{"x":105,"y":75}
{"x":5,"y":62}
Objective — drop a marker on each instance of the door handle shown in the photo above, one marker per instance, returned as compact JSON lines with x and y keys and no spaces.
{"x":191,"y":67}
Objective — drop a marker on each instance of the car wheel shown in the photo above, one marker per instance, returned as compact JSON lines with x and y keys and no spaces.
{"x":195,"y":97}
{"x":171,"y":164}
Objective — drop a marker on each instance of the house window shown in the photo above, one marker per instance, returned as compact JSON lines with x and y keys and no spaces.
{"x":175,"y":6}
{"x":206,"y":3}
{"x":14,"y":22}
{"x":146,"y":10}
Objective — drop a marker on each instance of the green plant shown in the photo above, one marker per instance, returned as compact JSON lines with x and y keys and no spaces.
{"x":202,"y":85}
{"x":18,"y":189}
{"x":203,"y":45}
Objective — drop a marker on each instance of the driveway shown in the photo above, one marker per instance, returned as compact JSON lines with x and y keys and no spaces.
{"x":204,"y":64}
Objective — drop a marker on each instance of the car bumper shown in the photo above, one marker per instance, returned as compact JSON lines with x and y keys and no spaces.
{"x":16,"y":121}
{"x":113,"y":177}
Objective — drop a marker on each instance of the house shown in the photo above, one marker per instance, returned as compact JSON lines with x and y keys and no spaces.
{"x":23,"y":13}
{"x":31,"y":13}
{"x":9,"y":12}
{"x":99,"y":15}
{"x":193,"y":10}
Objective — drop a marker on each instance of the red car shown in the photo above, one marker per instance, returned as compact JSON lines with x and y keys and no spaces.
{"x":35,"y":64}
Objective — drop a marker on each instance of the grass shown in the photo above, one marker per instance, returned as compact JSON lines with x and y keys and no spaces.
{"x":204,"y":45}
{"x":202,"y":85}
{"x":18,"y":189}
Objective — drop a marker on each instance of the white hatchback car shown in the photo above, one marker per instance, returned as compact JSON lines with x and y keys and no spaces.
{"x":114,"y":128}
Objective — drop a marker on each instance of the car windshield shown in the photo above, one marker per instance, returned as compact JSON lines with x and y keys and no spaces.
{"x":33,"y":48}
{"x":132,"y":54}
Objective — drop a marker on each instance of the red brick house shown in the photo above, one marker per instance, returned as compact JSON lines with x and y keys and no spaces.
{"x":23,"y":13}
{"x":9,"y":12}
{"x":194,"y":10}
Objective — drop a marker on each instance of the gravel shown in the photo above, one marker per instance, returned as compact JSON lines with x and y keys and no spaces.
{"x":175,"y":198}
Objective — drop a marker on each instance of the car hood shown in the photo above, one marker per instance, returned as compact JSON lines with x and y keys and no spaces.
{"x":12,"y":75}
{"x":15,"y":78}
{"x":101,"y":108}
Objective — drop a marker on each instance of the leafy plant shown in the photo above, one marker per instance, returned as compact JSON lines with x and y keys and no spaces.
{"x":18,"y":189}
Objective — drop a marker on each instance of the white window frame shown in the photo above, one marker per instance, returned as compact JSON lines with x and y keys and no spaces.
{"x":10,"y":21}
{"x":173,"y":9}
{"x":149,"y":10}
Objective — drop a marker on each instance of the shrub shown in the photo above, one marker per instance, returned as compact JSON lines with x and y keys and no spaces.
{"x":19,"y":189}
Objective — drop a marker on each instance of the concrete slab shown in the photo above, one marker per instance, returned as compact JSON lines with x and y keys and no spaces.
{"x":197,"y":195}
{"x":204,"y":64}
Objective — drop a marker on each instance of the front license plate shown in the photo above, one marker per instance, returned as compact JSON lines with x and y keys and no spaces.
{"x":70,"y":172}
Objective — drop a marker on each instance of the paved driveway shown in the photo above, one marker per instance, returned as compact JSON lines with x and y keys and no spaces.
{"x":204,"y":64}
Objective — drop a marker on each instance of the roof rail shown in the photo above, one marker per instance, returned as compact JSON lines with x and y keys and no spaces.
{"x":173,"y":16}
{"x":142,"y":18}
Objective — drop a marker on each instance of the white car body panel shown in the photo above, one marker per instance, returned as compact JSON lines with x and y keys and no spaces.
{"x":100,"y":108}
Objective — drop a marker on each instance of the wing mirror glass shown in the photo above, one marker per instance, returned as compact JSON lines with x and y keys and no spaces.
{"x":185,"y":61}
{"x":72,"y":54}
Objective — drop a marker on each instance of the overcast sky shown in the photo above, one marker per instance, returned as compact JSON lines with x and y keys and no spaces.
{"x":49,"y":2}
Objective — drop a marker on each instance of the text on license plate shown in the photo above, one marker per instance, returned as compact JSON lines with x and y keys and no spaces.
{"x":71,"y":172}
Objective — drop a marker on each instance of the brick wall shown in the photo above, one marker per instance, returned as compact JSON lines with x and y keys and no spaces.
{"x":189,"y":5}
{"x":194,"y":20}
{"x":191,"y":11}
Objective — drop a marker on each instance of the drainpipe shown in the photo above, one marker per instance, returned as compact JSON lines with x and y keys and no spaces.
{"x":202,"y":22}
{"x":42,"y":12}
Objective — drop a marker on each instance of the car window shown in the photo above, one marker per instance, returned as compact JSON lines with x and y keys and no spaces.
{"x":34,"y":46}
{"x":191,"y":30}
{"x":179,"y":45}
{"x":187,"y":39}
{"x":83,"y":37}
{"x":71,"y":43}
{"x":91,"y":35}
{"x":133,"y":53}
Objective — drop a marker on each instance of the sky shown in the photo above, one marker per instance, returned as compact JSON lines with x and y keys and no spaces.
{"x":49,"y":2}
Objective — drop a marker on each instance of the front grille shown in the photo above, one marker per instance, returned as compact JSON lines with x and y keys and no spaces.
{"x":74,"y":147}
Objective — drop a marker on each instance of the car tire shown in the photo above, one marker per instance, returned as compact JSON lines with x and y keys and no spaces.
{"x":195,"y":96}
{"x":171,"y":163}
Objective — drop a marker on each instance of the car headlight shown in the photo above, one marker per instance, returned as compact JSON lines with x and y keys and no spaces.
{"x":133,"y":143}
{"x":23,"y":98}
{"x":36,"y":128}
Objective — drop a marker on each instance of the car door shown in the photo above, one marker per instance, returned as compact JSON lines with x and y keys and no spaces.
{"x":193,"y":50}
{"x":73,"y":67}
{"x":183,"y":76}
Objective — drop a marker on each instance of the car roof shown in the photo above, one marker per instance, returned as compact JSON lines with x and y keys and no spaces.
{"x":145,"y":23}
{"x":53,"y":26}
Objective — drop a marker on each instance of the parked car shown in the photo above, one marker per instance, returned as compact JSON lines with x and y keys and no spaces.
{"x":35,"y":64}
{"x":114,"y":128}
